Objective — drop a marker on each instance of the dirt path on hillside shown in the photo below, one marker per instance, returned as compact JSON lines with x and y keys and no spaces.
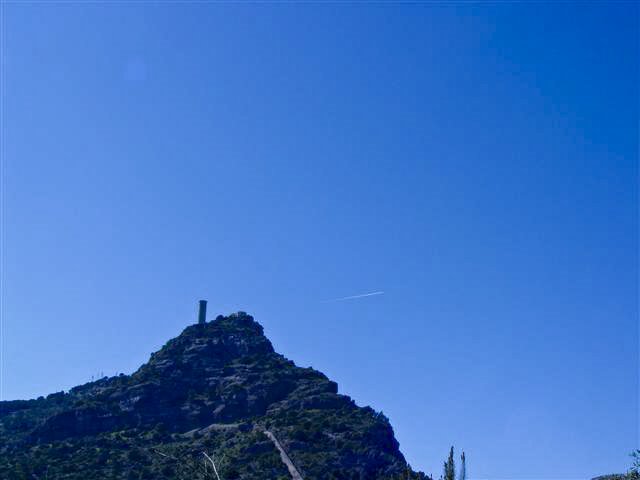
{"x":295,"y":474}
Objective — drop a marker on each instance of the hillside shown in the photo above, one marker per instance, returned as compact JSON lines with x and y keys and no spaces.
{"x":218,"y":388}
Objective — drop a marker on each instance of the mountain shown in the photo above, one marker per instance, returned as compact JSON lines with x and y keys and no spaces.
{"x":218,"y":389}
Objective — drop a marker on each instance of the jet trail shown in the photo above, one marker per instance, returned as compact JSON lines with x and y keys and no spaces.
{"x":353,"y":297}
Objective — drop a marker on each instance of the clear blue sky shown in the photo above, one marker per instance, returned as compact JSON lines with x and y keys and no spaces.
{"x":477,"y":163}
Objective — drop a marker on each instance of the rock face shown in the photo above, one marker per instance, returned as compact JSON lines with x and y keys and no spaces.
{"x":216,"y":388}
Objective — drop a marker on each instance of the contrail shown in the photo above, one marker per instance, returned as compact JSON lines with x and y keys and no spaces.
{"x":353,"y":296}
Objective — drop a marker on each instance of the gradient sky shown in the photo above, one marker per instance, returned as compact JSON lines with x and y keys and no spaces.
{"x":477,"y":163}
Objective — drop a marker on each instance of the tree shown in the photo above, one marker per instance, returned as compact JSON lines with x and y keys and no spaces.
{"x":463,"y":468}
{"x":634,"y":471}
{"x":449,"y":472}
{"x":449,"y":467}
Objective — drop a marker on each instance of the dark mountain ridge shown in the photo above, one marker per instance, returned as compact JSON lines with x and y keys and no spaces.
{"x":218,"y":388}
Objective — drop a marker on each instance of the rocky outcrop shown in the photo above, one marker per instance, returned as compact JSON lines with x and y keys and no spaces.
{"x":216,"y":384}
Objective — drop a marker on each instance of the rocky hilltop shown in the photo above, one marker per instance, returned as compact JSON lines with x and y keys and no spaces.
{"x":218,"y":388}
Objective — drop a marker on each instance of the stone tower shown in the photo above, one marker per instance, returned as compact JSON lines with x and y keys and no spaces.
{"x":202,"y":312}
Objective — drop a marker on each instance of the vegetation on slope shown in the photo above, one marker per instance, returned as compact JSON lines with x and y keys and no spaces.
{"x":215,"y":389}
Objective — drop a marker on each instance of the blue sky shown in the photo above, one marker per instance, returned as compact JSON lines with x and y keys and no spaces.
{"x":476,"y":162}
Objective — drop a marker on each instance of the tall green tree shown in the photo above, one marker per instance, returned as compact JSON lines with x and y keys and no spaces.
{"x":450,"y":467}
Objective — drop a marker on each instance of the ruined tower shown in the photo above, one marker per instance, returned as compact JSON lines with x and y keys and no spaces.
{"x":202,"y":312}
